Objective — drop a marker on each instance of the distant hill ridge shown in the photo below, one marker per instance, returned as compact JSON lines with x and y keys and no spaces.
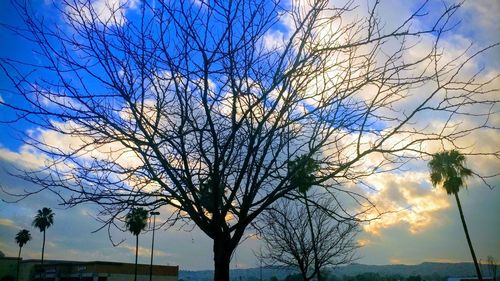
{"x":423,"y":269}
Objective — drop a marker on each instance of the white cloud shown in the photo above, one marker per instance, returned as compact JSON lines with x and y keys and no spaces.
{"x":106,"y":12}
{"x":26,"y":157}
{"x":274,"y":40}
{"x":485,"y":14}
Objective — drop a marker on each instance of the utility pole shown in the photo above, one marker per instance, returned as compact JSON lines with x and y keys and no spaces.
{"x":153,"y":214}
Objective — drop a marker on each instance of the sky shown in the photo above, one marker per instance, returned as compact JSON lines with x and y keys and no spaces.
{"x":426,"y":226}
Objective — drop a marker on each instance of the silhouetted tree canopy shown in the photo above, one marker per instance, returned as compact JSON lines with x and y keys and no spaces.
{"x":290,"y":236}
{"x":200,"y":105}
{"x":447,"y":168}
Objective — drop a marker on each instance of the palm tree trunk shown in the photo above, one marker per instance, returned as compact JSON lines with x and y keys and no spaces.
{"x":18,"y":262}
{"x":136,"y":254}
{"x":43,"y":252}
{"x":478,"y":271}
{"x":43,"y":245}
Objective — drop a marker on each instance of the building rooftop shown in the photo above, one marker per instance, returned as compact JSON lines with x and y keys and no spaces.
{"x":94,"y":268}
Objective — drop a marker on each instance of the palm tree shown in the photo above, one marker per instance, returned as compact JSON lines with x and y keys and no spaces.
{"x":22,"y":237}
{"x":43,"y":220}
{"x":448,"y":169}
{"x":136,"y":221}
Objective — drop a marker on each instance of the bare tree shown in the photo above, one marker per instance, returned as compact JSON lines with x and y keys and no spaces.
{"x":492,"y":265}
{"x":191,"y":103}
{"x":290,"y":241}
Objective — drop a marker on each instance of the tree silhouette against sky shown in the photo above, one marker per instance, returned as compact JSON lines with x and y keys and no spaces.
{"x":193,"y":104}
{"x":22,"y":237}
{"x":136,"y":221}
{"x":447,"y":169}
{"x":43,"y":220}
{"x":307,"y":238}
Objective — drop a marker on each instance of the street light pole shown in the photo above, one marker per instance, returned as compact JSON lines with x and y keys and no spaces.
{"x":153,"y":214}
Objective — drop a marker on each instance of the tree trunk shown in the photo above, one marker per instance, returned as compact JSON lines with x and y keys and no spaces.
{"x":313,"y":239}
{"x":303,"y":272}
{"x":222,"y":257}
{"x":136,"y":254}
{"x":42,"y":270}
{"x":478,"y":271}
{"x":43,"y":246}
{"x":18,"y":262}
{"x":304,"y":276}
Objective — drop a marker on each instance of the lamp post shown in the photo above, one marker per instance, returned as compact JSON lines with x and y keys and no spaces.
{"x":153,"y":214}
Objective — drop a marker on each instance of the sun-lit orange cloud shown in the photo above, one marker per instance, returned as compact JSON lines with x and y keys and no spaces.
{"x":229,"y":216}
{"x":405,"y":199}
{"x":395,"y":261}
{"x":7,"y":222}
{"x":363,"y":242}
{"x":144,"y":251}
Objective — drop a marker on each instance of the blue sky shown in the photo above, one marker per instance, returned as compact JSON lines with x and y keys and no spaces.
{"x":427,"y":228}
